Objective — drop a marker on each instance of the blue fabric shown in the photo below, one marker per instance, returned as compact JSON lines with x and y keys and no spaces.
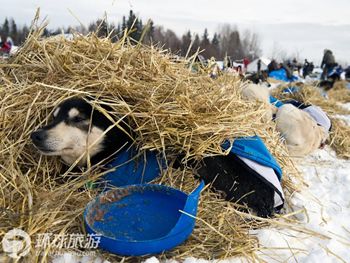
{"x":281,"y":74}
{"x":291,"y":90}
{"x":129,"y":171}
{"x":275,"y":102}
{"x":335,"y":71}
{"x":253,"y":148}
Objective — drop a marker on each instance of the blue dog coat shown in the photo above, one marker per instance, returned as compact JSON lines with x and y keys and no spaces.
{"x":129,"y":168}
{"x":253,"y":152}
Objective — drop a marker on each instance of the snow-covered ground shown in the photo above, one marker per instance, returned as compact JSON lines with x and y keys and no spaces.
{"x":323,"y":231}
{"x":326,"y":223}
{"x":326,"y":204}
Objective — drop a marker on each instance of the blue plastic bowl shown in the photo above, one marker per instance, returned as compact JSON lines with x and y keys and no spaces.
{"x":142,"y":219}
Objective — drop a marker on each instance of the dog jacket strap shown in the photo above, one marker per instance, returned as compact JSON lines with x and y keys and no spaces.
{"x":274,"y":101}
{"x":298,"y":104}
{"x":291,"y":90}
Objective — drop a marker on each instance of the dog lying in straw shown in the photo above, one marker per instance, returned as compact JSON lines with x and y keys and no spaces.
{"x":255,"y":92}
{"x":305,"y":129}
{"x":78,"y":132}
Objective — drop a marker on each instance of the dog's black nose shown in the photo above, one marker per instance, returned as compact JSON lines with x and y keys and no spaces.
{"x":38,"y":136}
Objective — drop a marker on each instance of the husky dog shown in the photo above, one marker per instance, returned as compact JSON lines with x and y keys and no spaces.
{"x":302,"y":132}
{"x":78,"y":130}
{"x":255,"y":92}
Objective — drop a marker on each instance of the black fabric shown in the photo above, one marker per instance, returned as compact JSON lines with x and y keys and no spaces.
{"x":239,"y":182}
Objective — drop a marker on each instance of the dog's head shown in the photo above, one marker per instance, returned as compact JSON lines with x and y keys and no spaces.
{"x":77,"y":131}
{"x":317,"y":135}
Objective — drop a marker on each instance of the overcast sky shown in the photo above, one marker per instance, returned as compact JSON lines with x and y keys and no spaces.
{"x":301,"y":27}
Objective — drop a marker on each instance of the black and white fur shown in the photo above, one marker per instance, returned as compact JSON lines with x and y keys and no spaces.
{"x":78,"y":131}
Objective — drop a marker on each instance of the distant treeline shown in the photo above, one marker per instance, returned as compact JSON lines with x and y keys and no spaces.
{"x":228,"y":41}
{"x":9,"y":29}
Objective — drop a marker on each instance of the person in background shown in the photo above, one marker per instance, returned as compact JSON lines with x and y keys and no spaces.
{"x":259,"y":66}
{"x":347,"y":73}
{"x":245,"y":63}
{"x":287,"y":68}
{"x":5,"y":45}
{"x":294,"y":64}
{"x":328,"y":62}
{"x":311,"y":67}
{"x":213,"y":68}
{"x":276,"y":66}
{"x":239,"y":69}
{"x":228,"y":68}
{"x":306,"y":68}
{"x":272,"y":66}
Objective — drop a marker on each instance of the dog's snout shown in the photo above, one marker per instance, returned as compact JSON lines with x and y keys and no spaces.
{"x":38,"y":136}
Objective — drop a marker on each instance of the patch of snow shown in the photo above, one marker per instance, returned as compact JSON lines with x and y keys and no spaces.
{"x":326,"y":219}
{"x":151,"y":260}
{"x":71,"y":258}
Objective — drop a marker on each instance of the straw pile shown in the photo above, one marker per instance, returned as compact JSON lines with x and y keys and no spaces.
{"x":340,"y":138}
{"x":171,"y":109}
{"x":340,"y":92}
{"x":312,"y":95}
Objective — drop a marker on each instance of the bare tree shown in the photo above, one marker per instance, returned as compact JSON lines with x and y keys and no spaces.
{"x":172,"y":42}
{"x":230,"y":43}
{"x":278,"y":52}
{"x":251,"y":45}
{"x":186,"y":42}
